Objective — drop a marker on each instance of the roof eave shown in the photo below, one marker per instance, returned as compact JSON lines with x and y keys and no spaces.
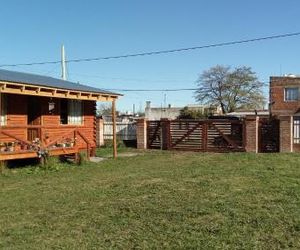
{"x":46,"y":91}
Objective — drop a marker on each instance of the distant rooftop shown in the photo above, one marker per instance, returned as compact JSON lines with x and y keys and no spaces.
{"x":242,"y":113}
{"x":46,"y":81}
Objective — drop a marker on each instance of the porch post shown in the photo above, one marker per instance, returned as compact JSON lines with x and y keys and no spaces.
{"x":114,"y":128}
{"x":0,"y":109}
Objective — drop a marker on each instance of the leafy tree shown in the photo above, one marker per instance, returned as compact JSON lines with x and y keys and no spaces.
{"x":230,"y":89}
{"x":187,"y":113}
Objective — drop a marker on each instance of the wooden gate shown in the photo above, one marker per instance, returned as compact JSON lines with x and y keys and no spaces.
{"x":154,"y":134}
{"x":225,"y":136}
{"x":197,"y":135}
{"x":187,"y":135}
{"x":268,"y":135}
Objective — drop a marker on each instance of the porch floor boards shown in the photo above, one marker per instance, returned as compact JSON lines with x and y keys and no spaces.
{"x":33,"y":154}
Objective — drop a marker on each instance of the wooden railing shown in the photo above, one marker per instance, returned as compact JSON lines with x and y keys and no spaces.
{"x":13,"y":144}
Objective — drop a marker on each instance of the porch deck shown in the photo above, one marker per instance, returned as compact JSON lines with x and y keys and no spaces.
{"x":4,"y":156}
{"x":13,"y":147}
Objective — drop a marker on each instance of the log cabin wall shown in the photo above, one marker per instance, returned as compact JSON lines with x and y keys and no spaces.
{"x":17,"y":115}
{"x":87,"y":128}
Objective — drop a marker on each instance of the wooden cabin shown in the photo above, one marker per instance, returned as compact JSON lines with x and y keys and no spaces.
{"x":41,"y":116}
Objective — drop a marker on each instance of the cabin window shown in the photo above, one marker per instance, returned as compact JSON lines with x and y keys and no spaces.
{"x":3,"y":118}
{"x":71,"y":112}
{"x":291,"y":94}
{"x":296,"y":129}
{"x":75,"y":112}
{"x":63,"y":111}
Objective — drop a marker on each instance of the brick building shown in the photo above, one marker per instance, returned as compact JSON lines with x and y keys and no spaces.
{"x":285,"y":106}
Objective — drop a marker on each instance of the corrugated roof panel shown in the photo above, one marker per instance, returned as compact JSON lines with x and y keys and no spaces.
{"x":46,"y":81}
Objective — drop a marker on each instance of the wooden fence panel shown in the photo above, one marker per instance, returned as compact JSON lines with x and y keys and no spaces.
{"x":154,"y":133}
{"x":268,"y":136}
{"x":124,"y":130}
{"x":185,"y":135}
{"x":225,"y":136}
{"x":197,"y":135}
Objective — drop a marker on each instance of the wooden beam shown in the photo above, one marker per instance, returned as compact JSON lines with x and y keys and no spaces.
{"x":33,"y":154}
{"x":35,"y":90}
{"x":60,"y":137}
{"x":0,"y":109}
{"x":20,"y":155}
{"x":114,"y":128}
{"x":16,"y":138}
{"x":87,"y":143}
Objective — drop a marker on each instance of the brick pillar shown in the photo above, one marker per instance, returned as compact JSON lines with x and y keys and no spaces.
{"x":251,"y":133}
{"x":286,"y":132}
{"x":165,"y":134}
{"x":100,"y":132}
{"x":141,"y":133}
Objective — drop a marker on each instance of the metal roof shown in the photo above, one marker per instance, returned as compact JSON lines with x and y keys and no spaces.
{"x":46,"y":81}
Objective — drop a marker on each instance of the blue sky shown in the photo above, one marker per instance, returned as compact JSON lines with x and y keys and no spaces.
{"x":34,"y":31}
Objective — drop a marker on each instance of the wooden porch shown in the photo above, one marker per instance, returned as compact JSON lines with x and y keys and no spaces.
{"x":42,"y":116}
{"x":14,"y":147}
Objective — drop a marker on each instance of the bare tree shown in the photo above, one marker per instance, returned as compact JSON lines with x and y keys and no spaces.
{"x":104,"y":109}
{"x":230,"y":89}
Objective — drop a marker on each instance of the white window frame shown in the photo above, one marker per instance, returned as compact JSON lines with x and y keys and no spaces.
{"x":3,"y":116}
{"x":285,"y":94}
{"x":296,"y":130}
{"x":75,"y":112}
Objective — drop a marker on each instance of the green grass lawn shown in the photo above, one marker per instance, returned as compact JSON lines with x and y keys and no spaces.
{"x":155,"y":200}
{"x":108,"y":152}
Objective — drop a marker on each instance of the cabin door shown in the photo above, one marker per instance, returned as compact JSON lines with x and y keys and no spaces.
{"x":34,"y":117}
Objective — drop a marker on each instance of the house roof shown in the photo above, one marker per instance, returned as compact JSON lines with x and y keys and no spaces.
{"x":46,"y":81}
{"x":242,"y":113}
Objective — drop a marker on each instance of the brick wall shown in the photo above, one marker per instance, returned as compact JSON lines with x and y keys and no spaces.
{"x":141,"y":133}
{"x":285,"y":134}
{"x":251,"y":134}
{"x":278,"y":105}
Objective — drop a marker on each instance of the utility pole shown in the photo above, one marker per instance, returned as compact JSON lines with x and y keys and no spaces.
{"x":63,"y":63}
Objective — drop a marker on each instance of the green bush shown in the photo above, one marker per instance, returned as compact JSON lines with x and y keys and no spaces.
{"x":187,"y":113}
{"x":51,"y":163}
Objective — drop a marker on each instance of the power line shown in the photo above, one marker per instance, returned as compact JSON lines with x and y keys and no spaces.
{"x":264,"y":83}
{"x":132,"y":79}
{"x":160,"y":51}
